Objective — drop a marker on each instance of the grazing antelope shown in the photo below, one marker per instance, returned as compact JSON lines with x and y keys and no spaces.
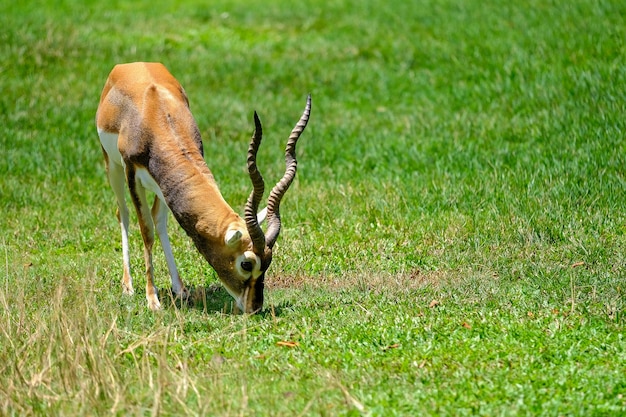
{"x":150,"y":141}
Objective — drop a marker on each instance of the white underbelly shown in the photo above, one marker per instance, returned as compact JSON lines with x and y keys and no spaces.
{"x":148,"y":182}
{"x":109,"y":143}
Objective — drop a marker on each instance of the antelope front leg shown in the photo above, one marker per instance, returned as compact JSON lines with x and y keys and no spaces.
{"x":159,"y":215}
{"x":146,"y":225}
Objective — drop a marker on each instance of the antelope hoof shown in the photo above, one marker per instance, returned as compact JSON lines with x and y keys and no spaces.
{"x":183,"y":294}
{"x":154,"y":304}
{"x":127,"y":289}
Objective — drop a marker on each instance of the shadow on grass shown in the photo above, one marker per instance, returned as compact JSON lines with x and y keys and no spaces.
{"x":212,"y":299}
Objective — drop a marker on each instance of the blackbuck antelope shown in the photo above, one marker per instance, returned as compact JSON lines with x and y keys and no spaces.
{"x":150,"y":141}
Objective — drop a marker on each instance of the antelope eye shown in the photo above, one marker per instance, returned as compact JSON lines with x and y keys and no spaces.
{"x":246,"y":266}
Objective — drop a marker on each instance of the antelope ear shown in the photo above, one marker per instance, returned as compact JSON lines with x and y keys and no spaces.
{"x":233,"y":237}
{"x":262,"y":215}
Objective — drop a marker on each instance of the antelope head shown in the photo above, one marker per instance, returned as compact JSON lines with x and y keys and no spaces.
{"x":249,"y":249}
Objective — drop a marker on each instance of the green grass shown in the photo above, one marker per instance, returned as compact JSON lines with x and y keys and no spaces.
{"x":453,"y":244}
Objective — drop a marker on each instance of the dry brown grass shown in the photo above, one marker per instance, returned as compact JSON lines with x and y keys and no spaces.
{"x":69,"y":357}
{"x":410,"y":280}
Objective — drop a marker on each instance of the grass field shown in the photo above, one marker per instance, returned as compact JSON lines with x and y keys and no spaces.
{"x":454,"y":243}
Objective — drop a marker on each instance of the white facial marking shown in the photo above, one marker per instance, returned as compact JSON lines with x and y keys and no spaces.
{"x":238,"y":298}
{"x":250,"y":257}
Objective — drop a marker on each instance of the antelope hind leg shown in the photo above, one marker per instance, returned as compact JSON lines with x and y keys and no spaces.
{"x":146,"y":225}
{"x":117,"y":180}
